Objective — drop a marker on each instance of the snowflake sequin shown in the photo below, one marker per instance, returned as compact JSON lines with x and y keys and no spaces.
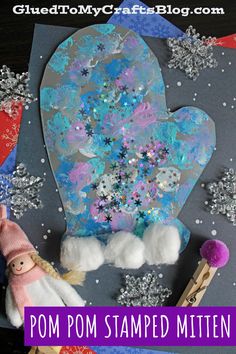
{"x":223,"y":195}
{"x":20,"y":191}
{"x":14,"y":89}
{"x":191,"y":54}
{"x":117,"y":190}
{"x":143,"y":291}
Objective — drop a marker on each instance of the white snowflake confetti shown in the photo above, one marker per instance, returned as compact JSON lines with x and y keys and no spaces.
{"x":143,"y":291}
{"x":14,"y":89}
{"x":191,"y":54}
{"x":223,"y":195}
{"x":20,"y":191}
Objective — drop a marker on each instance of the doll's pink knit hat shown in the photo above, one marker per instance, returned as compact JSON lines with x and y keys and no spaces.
{"x":13,"y":240}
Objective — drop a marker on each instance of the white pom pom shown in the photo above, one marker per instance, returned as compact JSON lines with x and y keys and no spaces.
{"x":162,"y":244}
{"x":83,"y":253}
{"x":125,"y":250}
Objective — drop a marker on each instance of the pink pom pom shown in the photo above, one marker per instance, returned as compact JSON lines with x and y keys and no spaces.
{"x":215,"y":252}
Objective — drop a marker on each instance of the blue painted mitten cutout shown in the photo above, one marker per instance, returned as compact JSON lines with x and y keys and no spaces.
{"x":121,"y":160}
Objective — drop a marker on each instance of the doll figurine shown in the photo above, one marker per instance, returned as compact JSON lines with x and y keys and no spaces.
{"x":32,"y":280}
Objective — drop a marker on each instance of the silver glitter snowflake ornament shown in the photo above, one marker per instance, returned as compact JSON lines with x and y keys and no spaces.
{"x":143,"y":291}
{"x":14,"y":89}
{"x":20,"y":191}
{"x":223,"y":195}
{"x":191,"y":54}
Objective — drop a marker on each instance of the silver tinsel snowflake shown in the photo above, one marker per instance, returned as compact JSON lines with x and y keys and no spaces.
{"x":20,"y":191}
{"x":223,"y":195}
{"x":14,"y":89}
{"x":191,"y":54}
{"x":143,"y":291}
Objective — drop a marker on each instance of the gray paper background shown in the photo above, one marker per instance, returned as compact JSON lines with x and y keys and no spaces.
{"x":214,"y":92}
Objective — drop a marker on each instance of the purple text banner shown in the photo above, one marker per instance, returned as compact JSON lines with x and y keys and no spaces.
{"x":133,"y":326}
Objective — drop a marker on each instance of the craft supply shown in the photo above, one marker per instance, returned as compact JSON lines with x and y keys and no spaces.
{"x":32,"y":280}
{"x":143,"y":291}
{"x":223,"y":195}
{"x":20,"y":191}
{"x":160,"y":245}
{"x":62,"y":350}
{"x":14,"y":91}
{"x":84,"y":253}
{"x":125,"y":250}
{"x":153,"y":24}
{"x":227,"y":41}
{"x":9,"y":132}
{"x":116,"y":166}
{"x":215,"y":254}
{"x":192,"y":54}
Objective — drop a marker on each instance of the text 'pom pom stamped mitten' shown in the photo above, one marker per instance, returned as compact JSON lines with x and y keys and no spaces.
{"x":124,"y":164}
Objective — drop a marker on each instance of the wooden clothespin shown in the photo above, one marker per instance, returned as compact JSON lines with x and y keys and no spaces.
{"x":215,"y":255}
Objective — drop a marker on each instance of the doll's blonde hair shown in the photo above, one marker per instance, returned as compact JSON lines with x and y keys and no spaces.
{"x":73,"y":277}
